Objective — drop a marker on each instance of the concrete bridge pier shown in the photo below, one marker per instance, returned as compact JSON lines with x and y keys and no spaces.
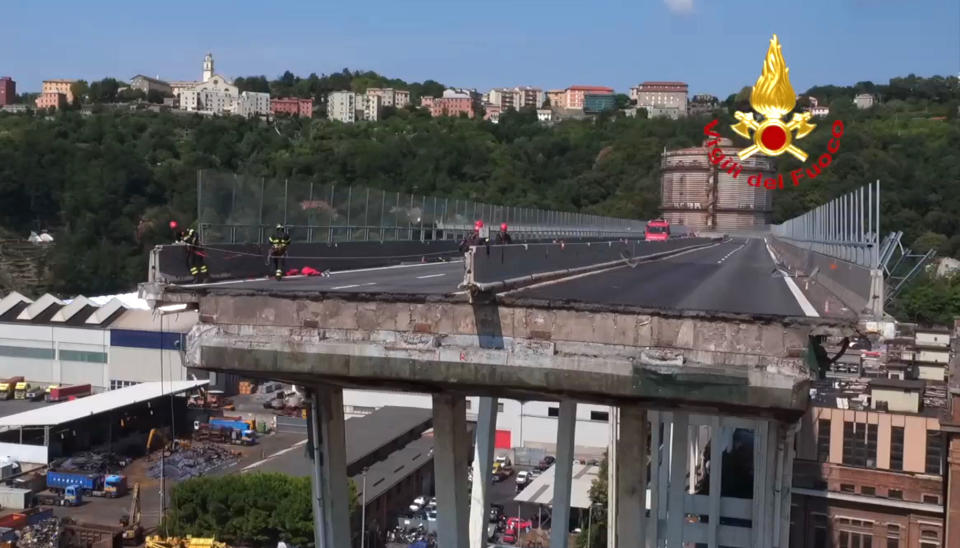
{"x":450,"y":459}
{"x":482,"y":465}
{"x":331,"y":512}
{"x":563,"y":474}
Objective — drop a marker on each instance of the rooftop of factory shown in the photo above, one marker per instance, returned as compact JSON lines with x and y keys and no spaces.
{"x":856,"y":393}
{"x":540,"y":490}
{"x":96,"y":404}
{"x":120,"y":311}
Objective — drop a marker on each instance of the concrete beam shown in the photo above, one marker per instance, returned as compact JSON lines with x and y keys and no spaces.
{"x":331,"y":519}
{"x":754,"y":365}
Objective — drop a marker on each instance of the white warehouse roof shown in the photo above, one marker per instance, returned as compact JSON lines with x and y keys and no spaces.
{"x":79,"y":408}
{"x":540,"y":490}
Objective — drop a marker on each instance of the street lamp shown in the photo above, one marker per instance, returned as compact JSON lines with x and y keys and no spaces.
{"x":363,"y":512}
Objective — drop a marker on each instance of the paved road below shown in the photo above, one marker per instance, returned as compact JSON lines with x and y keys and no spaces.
{"x":737,"y":276}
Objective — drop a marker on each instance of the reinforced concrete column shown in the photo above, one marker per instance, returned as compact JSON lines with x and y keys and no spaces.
{"x":328,"y":452}
{"x":783,"y":488}
{"x":613,"y":462}
{"x":679,"y":453}
{"x":333,"y":464}
{"x":631,"y":484}
{"x":482,"y":464}
{"x":450,"y":469}
{"x":563,"y":474}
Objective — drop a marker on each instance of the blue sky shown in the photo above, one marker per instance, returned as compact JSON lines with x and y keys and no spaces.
{"x":716,"y":46}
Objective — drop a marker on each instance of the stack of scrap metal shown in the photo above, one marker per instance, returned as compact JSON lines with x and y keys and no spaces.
{"x":43,"y":534}
{"x":97,"y":462}
{"x":198,"y":460}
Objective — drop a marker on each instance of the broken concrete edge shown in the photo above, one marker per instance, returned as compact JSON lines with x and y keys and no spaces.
{"x":170,"y":294}
{"x":521,"y":281}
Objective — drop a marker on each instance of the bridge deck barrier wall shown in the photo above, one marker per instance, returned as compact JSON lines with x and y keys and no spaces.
{"x":850,"y":282}
{"x":503,"y":266}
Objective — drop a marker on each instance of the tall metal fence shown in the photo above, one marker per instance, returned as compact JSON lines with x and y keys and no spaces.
{"x":847,"y":227}
{"x":233,"y":208}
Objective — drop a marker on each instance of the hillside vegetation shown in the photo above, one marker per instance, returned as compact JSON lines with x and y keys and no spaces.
{"x":107,"y":183}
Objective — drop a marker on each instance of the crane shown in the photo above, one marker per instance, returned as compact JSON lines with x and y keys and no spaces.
{"x":132,"y":530}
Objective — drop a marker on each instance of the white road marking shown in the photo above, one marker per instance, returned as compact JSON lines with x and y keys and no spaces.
{"x":802,"y":300}
{"x":353,"y":285}
{"x":300,"y":443}
{"x":727,"y":256}
{"x":430,"y":276}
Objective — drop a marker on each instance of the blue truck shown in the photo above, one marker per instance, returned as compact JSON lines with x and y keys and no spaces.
{"x":97,"y":485}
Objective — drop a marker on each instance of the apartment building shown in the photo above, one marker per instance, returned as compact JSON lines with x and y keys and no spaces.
{"x":55,"y":93}
{"x":557,"y":98}
{"x":871,"y":467}
{"x":8,"y":91}
{"x":369,"y":106}
{"x":864,"y":100}
{"x":455,"y":102}
{"x":293,"y":106}
{"x":391,"y":97}
{"x":668,"y":99}
{"x":253,"y":104}
{"x":342,"y":106}
{"x":574,"y":96}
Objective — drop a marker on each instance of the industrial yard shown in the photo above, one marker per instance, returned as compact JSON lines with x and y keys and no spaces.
{"x":102,"y":466}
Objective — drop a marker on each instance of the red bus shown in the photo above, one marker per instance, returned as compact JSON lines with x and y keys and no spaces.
{"x":657,"y":229}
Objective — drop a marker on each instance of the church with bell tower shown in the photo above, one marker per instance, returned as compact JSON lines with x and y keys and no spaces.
{"x":207,"y":67}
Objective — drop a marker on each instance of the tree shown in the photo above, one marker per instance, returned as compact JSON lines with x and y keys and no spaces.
{"x":596,"y":521}
{"x":622,"y":101}
{"x":79,"y":89}
{"x":929,"y":240}
{"x":251,"y":509}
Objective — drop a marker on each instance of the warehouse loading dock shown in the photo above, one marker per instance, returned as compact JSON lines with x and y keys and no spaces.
{"x":115,"y":420}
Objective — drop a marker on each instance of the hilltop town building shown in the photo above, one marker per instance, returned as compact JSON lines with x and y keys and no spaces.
{"x":391,"y":97}
{"x":574,"y":96}
{"x":455,"y":102}
{"x":216,"y":94}
{"x":666,"y":99}
{"x":293,"y":106}
{"x":55,"y":93}
{"x":8,"y":91}
{"x":147,"y":84}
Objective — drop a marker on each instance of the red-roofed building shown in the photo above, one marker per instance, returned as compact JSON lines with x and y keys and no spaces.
{"x":293,"y":106}
{"x":573,"y":97}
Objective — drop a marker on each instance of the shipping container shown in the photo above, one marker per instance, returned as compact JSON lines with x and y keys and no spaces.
{"x":61,"y":393}
{"x":13,"y":521}
{"x":17,"y":499}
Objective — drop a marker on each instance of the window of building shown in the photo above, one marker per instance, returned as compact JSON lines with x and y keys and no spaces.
{"x":893,"y":542}
{"x":115,"y":384}
{"x":599,"y":416}
{"x":823,"y":440}
{"x":931,"y":499}
{"x":847,"y":488}
{"x":896,"y":448}
{"x":469,"y":404}
{"x":852,"y":539}
{"x":860,"y":444}
{"x":27,"y":352}
{"x":929,"y":534}
{"x":867,"y":490}
{"x":83,"y":356}
{"x":499,"y":407}
{"x":934,"y":452}
{"x":895,"y":494}
{"x":553,"y":411}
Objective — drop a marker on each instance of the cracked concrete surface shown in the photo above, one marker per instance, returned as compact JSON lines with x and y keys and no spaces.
{"x":726,"y":363}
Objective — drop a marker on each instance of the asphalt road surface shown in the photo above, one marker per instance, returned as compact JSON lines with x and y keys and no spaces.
{"x":427,"y":278}
{"x":736,"y":276}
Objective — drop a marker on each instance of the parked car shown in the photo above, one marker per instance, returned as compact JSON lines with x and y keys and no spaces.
{"x":546,"y":462}
{"x":496,"y":513}
{"x":523,"y":478}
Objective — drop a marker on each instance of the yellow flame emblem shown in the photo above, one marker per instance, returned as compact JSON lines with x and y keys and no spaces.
{"x":773,"y":98}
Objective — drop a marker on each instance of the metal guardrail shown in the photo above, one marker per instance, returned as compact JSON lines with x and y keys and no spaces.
{"x":233,"y":208}
{"x":846,"y":228}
